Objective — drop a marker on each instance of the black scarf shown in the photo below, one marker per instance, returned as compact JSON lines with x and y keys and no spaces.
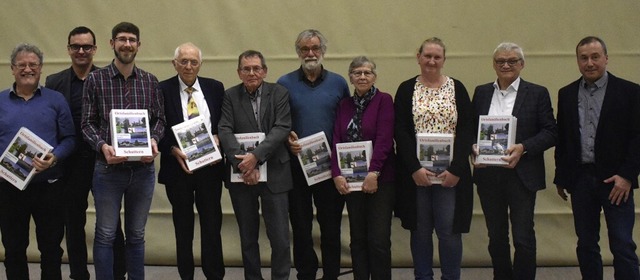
{"x":354,"y":128}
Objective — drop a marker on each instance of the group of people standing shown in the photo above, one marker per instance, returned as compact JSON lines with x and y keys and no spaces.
{"x":596,"y":161}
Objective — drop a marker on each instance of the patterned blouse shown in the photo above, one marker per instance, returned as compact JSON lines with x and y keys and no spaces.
{"x":434,"y":109}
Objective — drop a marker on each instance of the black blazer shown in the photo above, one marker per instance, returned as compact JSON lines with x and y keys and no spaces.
{"x":536,"y":130}
{"x":213,"y":90}
{"x":275,"y":121}
{"x":617,"y":145}
{"x":61,"y":82}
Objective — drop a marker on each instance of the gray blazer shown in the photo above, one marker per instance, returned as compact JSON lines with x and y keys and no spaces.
{"x":536,"y":130}
{"x":237,"y":117}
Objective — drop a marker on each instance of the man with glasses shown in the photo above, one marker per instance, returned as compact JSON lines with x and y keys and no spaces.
{"x":251,"y":107}
{"x":46,"y":114}
{"x":508,"y":192}
{"x":202,"y":186}
{"x":314,"y":97}
{"x":81,"y":47}
{"x":121,"y":85}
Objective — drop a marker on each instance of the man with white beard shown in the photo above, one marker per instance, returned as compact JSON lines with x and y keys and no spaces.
{"x":314,"y":94}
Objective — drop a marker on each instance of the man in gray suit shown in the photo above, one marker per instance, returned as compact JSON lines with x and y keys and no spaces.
{"x":251,"y":107}
{"x":508,"y":193}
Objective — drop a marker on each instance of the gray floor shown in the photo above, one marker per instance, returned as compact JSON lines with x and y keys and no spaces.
{"x":233,"y":273}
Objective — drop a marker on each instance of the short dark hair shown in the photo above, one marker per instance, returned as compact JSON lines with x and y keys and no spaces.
{"x":81,"y":30}
{"x":251,"y":53}
{"x":125,"y":27}
{"x":591,"y":39}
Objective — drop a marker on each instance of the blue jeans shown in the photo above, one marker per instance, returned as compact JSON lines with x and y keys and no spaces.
{"x":135,"y":181}
{"x":589,"y":196}
{"x":435,"y":210}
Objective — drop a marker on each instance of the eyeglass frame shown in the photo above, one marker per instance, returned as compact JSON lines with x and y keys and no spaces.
{"x":508,"y":62}
{"x":247,"y":70}
{"x":85,"y":48}
{"x":367,"y":74}
{"x":124,"y":40}
{"x":315,"y":49}
{"x":185,"y":62}
{"x":30,"y":65}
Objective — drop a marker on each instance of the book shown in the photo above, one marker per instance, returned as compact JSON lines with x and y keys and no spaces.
{"x":315,"y":158}
{"x":435,"y":152}
{"x":130,"y":133}
{"x":495,"y":135}
{"x":354,"y":159}
{"x":16,"y":161}
{"x":248,"y":142}
{"x":196,"y":141}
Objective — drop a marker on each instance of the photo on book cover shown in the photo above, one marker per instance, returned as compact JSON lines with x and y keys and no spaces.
{"x":353,"y":160}
{"x":493,"y":138}
{"x":131,"y":132}
{"x":20,"y":157}
{"x":195,"y":140}
{"x":249,"y":142}
{"x":435,"y":157}
{"x":315,"y":158}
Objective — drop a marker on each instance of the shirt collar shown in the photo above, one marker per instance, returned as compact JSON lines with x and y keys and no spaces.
{"x":13,"y":93}
{"x":513,"y":87}
{"x":600,"y":83}
{"x":183,"y":86}
{"x":303,"y":77}
{"x":114,"y":72}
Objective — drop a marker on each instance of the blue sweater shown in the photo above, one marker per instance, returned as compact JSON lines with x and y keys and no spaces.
{"x":47,"y":115}
{"x":313,"y":109}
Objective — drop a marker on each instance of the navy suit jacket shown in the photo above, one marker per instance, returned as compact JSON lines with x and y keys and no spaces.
{"x":213,"y":90}
{"x":617,"y":144}
{"x":275,"y":121}
{"x":536,"y":130}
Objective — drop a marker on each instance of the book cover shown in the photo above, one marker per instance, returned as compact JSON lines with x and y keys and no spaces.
{"x":435,"y":152}
{"x":196,"y":141}
{"x":15,"y":163}
{"x":248,"y":142}
{"x":130,"y":135}
{"x":495,"y":135}
{"x":315,"y":158}
{"x":353,"y":159}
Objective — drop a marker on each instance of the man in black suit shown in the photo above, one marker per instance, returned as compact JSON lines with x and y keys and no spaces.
{"x":598,"y":159}
{"x":81,"y":47}
{"x":508,"y":192}
{"x":250,"y":107}
{"x":202,"y":186}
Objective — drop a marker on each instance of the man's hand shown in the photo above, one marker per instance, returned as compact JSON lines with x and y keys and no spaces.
{"x":110,"y":155}
{"x":513,"y":155}
{"x":474,"y":156}
{"x":252,"y":177}
{"x":181,"y":158}
{"x":248,"y":163}
{"x":341,"y":185}
{"x":562,"y":192}
{"x":292,"y":141}
{"x":421,"y":177}
{"x":154,"y":152}
{"x":620,"y":191}
{"x":44,"y":164}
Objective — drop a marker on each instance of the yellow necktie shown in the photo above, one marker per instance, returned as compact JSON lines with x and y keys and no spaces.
{"x":192,"y":108}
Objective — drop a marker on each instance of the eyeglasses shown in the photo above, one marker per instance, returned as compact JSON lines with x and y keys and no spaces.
{"x":248,"y":70}
{"x":511,"y":62}
{"x":314,"y":49}
{"x":360,"y":73}
{"x":85,"y":48}
{"x":124,"y":40}
{"x":185,"y":62}
{"x":24,"y":66}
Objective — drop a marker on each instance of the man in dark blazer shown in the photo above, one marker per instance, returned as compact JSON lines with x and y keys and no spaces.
{"x":508,"y":192}
{"x":202,"y":186}
{"x":251,"y":107}
{"x":598,"y":159}
{"x":81,"y":47}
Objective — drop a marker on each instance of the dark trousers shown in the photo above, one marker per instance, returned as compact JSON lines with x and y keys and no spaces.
{"x":203,"y":188}
{"x":78,"y":182}
{"x":370,"y":229}
{"x":329,"y":205}
{"x":504,"y":198}
{"x":42,"y":201}
{"x":588,"y":198}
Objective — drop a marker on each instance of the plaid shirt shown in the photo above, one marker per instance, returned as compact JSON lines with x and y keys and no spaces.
{"x":106,"y":89}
